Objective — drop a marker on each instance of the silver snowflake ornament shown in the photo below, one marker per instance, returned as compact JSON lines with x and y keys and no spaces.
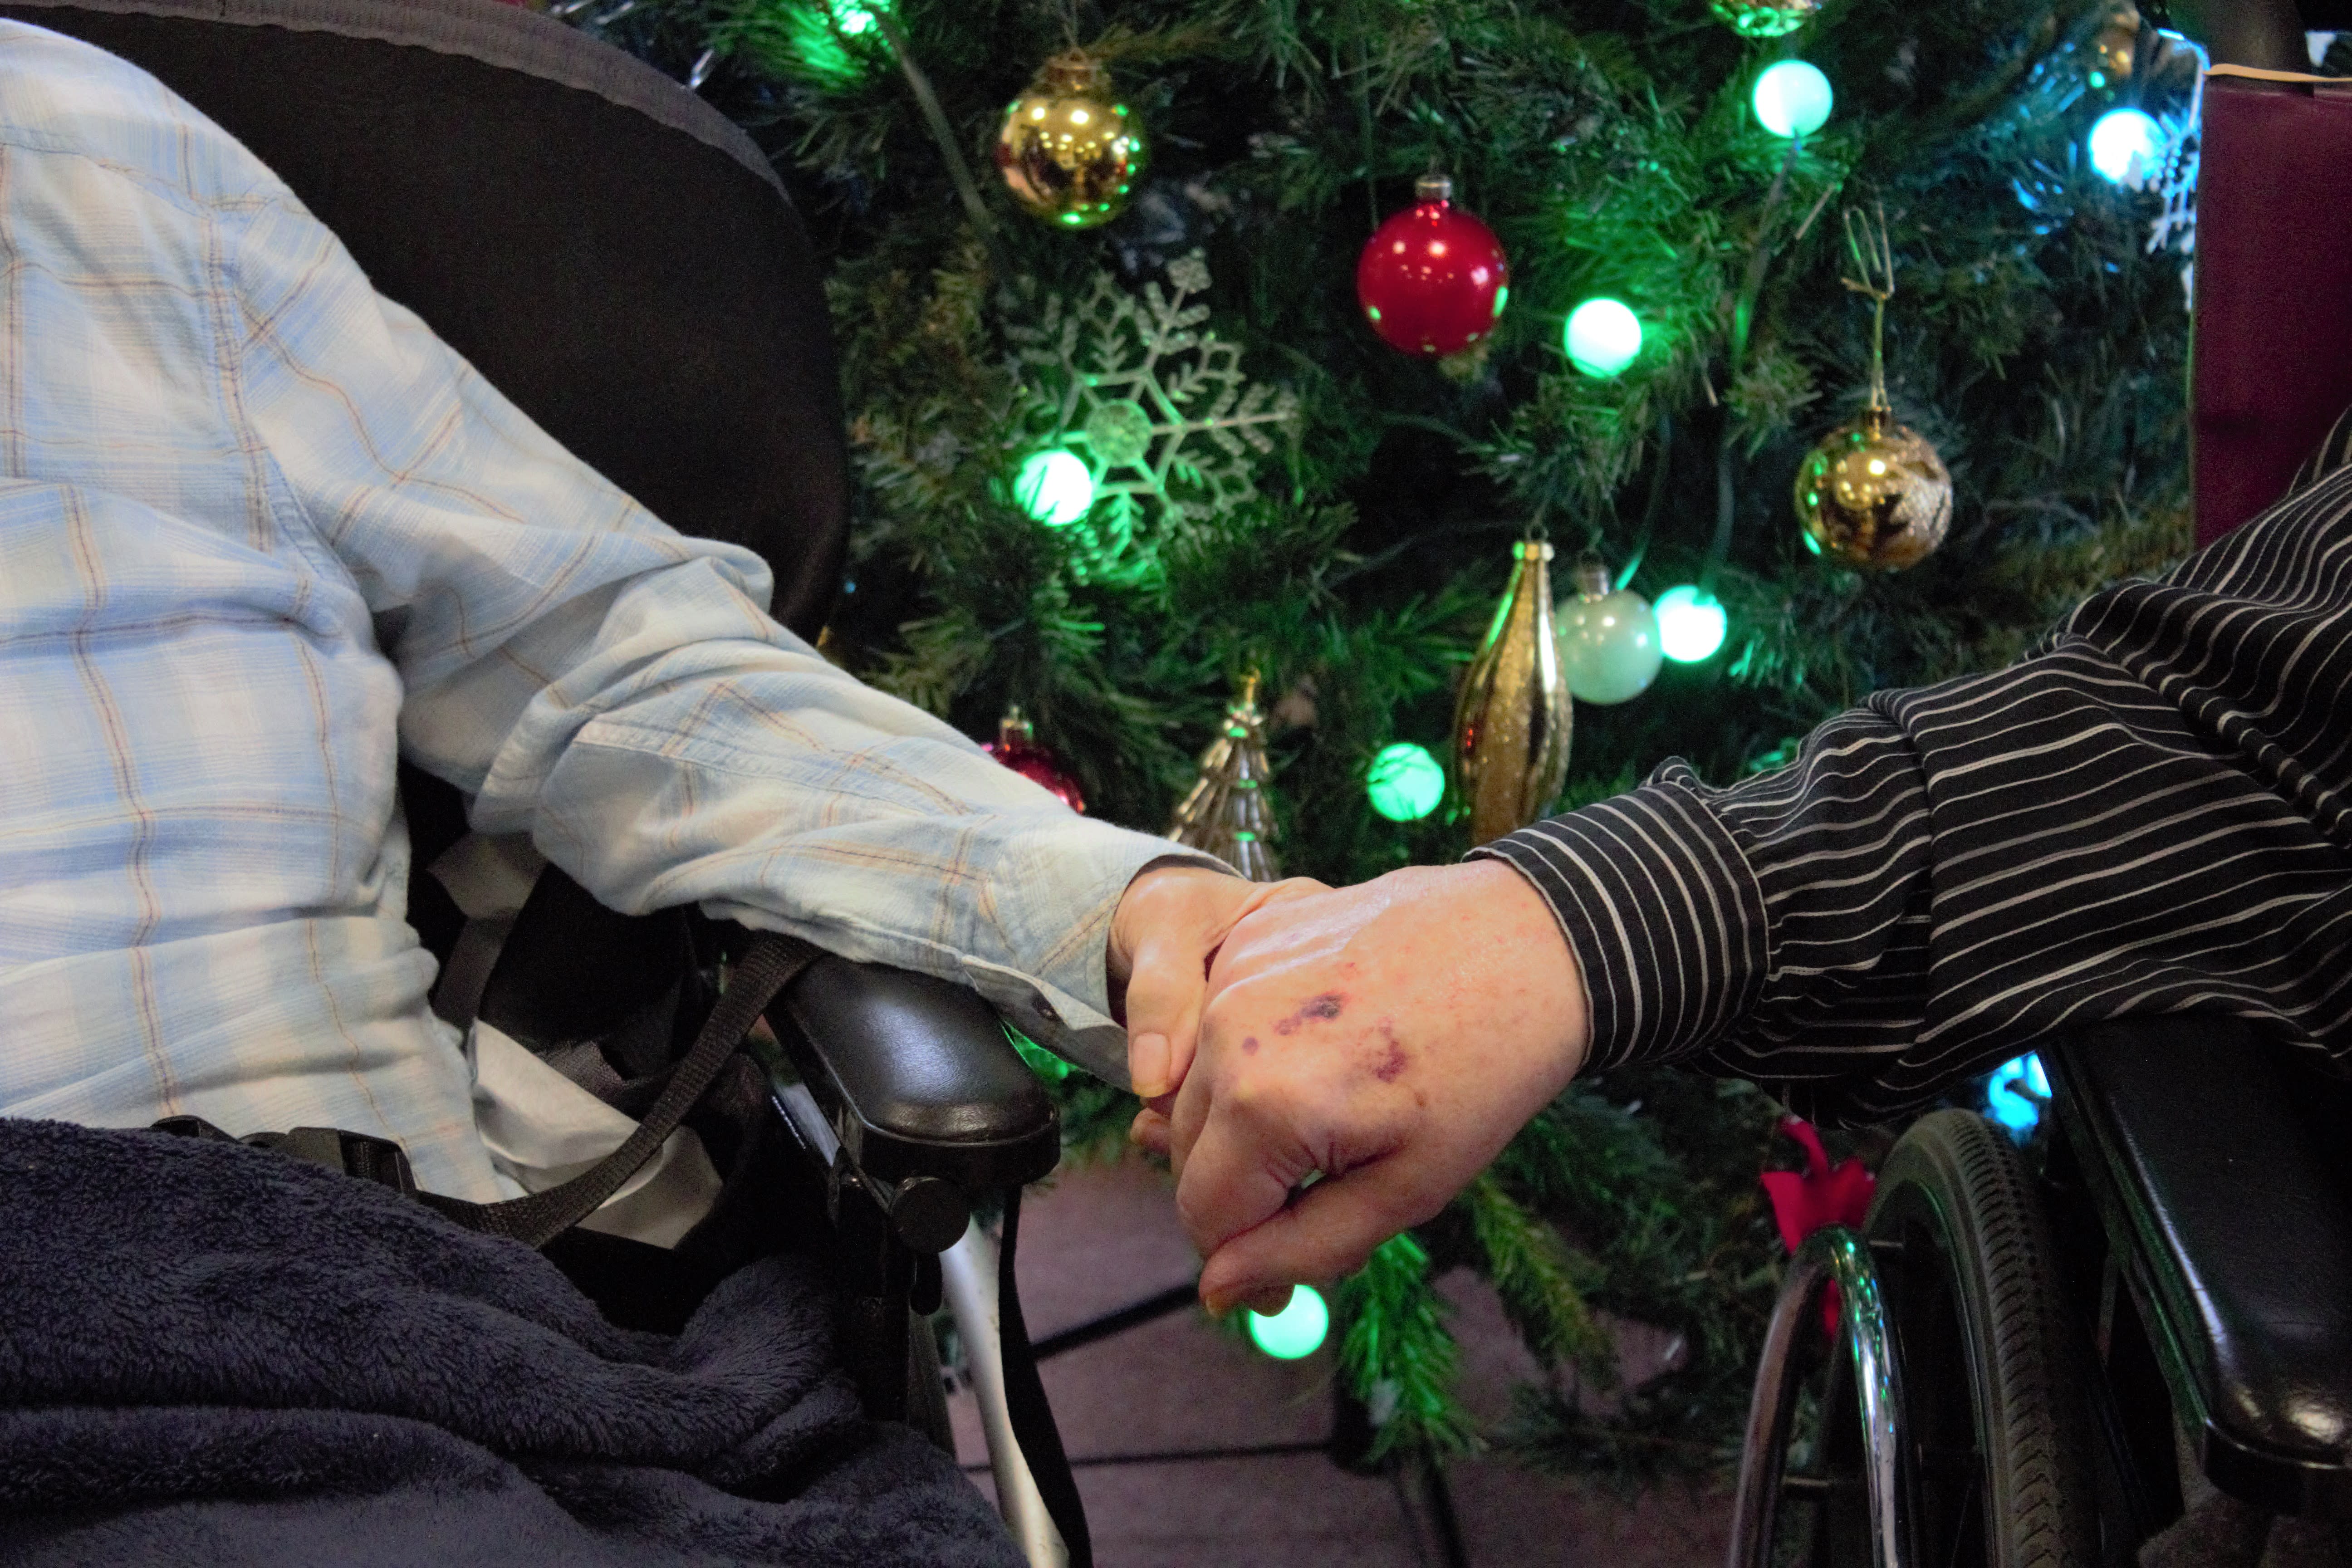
{"x":1154,"y":402}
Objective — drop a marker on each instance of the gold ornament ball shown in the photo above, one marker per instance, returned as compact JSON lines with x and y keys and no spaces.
{"x":1875,"y":494}
{"x":1070,"y":153}
{"x":2115,"y":49}
{"x":1764,"y":18}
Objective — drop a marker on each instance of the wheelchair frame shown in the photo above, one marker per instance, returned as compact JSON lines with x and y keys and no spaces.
{"x":2201,"y":1340}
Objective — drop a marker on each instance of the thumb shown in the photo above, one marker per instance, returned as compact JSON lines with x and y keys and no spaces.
{"x":1167,"y":970}
{"x":1164,"y":994}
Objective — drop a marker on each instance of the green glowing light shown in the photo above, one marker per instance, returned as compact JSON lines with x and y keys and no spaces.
{"x":1792,"y":98}
{"x":1602,"y":337}
{"x":836,"y":42}
{"x":1297,"y":1330}
{"x":1405,"y":782}
{"x":1054,"y":487}
{"x":1691,"y":624}
{"x":1041,"y":1061}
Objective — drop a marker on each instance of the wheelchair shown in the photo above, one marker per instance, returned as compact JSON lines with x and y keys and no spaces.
{"x":625,"y":265}
{"x":2052,"y":1360}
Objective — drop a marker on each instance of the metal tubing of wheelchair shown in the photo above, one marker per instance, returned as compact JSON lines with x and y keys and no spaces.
{"x":1830,"y":1253}
{"x":968,"y":1272}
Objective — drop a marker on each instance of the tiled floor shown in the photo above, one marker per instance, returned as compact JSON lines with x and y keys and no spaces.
{"x":1106,"y":1235}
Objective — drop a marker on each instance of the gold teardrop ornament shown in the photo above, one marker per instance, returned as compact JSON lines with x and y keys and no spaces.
{"x":1511,"y":721}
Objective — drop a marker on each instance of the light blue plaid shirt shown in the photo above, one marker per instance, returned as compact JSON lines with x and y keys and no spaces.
{"x":256,"y":521}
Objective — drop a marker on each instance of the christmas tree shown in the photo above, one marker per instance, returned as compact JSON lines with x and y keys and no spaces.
{"x":1127,"y":430}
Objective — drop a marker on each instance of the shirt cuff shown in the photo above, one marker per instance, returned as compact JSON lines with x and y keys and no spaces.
{"x":1660,"y":909}
{"x":1054,"y":918}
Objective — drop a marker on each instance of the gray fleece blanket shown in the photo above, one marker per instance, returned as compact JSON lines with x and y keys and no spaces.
{"x":210,"y":1353}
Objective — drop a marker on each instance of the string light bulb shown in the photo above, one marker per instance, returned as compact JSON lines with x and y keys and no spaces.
{"x":1691,"y":624}
{"x":2127,"y":145}
{"x":1054,"y":487}
{"x":1298,"y":1329}
{"x":1792,"y":98}
{"x":1602,"y":337}
{"x":1405,"y":782}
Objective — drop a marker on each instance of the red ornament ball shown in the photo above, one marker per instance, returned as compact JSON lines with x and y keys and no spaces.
{"x":1433,"y":279}
{"x":1017,"y":747}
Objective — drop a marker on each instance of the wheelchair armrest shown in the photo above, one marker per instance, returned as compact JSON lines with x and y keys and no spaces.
{"x":916,"y":1078}
{"x":2221,"y":1182}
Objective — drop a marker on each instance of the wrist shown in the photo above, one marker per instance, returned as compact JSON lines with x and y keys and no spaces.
{"x":1514,"y":914}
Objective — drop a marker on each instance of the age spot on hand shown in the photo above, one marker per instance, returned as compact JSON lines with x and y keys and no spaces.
{"x":1319,"y":1009}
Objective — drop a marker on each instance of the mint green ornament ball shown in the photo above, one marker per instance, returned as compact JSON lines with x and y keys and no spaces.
{"x":1610,"y":648}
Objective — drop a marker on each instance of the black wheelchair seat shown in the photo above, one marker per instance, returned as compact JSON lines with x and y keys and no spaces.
{"x":2231,"y":1172}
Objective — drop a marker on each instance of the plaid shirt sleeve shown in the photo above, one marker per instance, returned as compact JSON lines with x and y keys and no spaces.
{"x":618,"y":692}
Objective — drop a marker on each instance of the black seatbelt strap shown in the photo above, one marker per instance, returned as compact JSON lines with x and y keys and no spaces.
{"x":1024,"y":1403}
{"x":773,"y":962}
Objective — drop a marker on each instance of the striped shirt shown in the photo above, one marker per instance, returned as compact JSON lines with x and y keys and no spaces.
{"x":2148,"y":814}
{"x":261,"y":534}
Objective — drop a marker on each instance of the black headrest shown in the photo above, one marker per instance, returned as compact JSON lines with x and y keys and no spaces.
{"x":604,"y":246}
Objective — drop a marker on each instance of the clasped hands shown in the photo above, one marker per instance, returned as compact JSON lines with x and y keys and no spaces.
{"x":1327,"y":1067}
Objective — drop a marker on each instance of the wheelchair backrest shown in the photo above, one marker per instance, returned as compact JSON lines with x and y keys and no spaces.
{"x":605,"y":247}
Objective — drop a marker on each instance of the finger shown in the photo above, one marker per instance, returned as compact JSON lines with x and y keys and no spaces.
{"x":1329,"y":1231}
{"x":1236,"y":1174}
{"x":1269,"y":1303}
{"x":1149,"y":1129}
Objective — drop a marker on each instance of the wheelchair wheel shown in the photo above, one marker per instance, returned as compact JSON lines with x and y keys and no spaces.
{"x":1992,"y":1391}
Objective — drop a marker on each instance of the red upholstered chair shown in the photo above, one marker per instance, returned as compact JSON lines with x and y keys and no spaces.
{"x":2271,"y":352}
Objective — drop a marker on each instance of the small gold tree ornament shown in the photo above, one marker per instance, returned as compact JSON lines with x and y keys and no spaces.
{"x":1229,"y":812}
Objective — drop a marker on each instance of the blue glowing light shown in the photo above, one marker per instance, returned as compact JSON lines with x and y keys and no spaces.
{"x":2126,"y":145}
{"x":2017,"y":1094}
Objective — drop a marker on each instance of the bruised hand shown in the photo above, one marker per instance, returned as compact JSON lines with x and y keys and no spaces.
{"x":1380,"y":1042}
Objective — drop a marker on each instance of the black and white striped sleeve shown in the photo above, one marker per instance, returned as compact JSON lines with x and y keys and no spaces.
{"x":2151,"y":813}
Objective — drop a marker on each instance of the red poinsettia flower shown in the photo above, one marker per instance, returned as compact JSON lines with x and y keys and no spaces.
{"x":1804,"y":1200}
